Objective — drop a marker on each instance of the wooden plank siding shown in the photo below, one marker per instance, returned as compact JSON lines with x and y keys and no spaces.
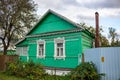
{"x":72,"y":49}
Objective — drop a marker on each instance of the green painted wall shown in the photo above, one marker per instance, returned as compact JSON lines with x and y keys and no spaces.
{"x":72,"y":49}
{"x":87,"y":42}
{"x":51,"y":23}
{"x":23,"y":58}
{"x":75,"y":43}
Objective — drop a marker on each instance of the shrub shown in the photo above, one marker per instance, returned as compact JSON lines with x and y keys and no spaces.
{"x":30,"y":70}
{"x":85,"y":71}
{"x":56,"y":77}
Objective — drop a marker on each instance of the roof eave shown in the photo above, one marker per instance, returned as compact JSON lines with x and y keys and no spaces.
{"x":89,"y":33}
{"x":19,"y":41}
{"x":55,"y":33}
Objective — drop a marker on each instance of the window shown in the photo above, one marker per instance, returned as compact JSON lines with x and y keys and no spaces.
{"x":22,"y":51}
{"x":25,"y":51}
{"x":59,"y":47}
{"x":41,"y":49}
{"x":18,"y":50}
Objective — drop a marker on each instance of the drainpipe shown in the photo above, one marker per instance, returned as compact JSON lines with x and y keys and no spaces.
{"x":97,"y":30}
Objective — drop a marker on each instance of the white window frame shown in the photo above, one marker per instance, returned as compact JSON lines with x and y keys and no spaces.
{"x":20,"y":51}
{"x":38,"y":43}
{"x":56,"y":41}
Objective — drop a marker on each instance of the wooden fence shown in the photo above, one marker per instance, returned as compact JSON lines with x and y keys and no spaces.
{"x":6,"y":58}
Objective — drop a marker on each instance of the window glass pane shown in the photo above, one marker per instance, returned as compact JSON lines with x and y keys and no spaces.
{"x":61,"y":51}
{"x":42,"y":52}
{"x":24,"y":50}
{"x":57,"y":51}
{"x":41,"y":45}
{"x":59,"y":44}
{"x":19,"y":50}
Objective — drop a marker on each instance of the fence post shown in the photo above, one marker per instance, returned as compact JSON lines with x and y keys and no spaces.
{"x":83,"y":60}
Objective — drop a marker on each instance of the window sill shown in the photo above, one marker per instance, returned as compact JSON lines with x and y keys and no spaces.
{"x":40,"y":56}
{"x":59,"y":57}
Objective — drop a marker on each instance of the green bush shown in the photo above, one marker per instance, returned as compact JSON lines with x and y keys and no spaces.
{"x":56,"y":77}
{"x":85,"y":71}
{"x":29,"y":70}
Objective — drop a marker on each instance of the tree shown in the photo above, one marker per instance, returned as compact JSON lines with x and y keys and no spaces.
{"x":89,"y":28}
{"x":114,"y":37}
{"x":103,"y":40}
{"x":16,"y":17}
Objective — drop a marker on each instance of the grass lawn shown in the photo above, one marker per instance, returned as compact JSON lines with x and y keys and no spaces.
{"x":3,"y":76}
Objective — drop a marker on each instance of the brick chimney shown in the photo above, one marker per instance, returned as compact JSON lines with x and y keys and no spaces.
{"x":97,"y":29}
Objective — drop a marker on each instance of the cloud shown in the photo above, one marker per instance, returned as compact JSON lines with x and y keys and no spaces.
{"x":82,"y":8}
{"x":111,"y":3}
{"x":118,"y":32}
{"x":110,"y":12}
{"x":47,"y":4}
{"x":84,"y":3}
{"x":70,"y":2}
{"x":99,"y":3}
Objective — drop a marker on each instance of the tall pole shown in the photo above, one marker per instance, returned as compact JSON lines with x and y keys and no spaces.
{"x":97,"y":29}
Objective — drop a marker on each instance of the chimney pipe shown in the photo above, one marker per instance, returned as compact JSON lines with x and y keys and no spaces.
{"x":97,"y":29}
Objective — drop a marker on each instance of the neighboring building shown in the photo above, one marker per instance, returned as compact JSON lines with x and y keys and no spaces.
{"x":56,"y":42}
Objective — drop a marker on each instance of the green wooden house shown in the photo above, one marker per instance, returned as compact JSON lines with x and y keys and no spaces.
{"x":56,"y":42}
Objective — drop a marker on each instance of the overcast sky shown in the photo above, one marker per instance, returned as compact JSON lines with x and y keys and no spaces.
{"x":81,"y":11}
